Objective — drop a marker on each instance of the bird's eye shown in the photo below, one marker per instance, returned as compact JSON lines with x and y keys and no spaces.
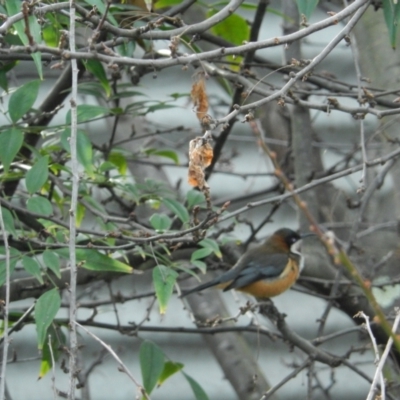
{"x":294,"y":239}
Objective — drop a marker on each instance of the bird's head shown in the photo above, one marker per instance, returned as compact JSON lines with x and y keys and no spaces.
{"x":283,"y":240}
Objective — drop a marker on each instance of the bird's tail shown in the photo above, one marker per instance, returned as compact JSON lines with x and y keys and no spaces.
{"x":199,"y":288}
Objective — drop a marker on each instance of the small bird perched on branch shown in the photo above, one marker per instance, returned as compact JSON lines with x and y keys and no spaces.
{"x":266,"y":270}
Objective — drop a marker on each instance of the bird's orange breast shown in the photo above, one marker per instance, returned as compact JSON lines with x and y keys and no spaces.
{"x":273,"y":287}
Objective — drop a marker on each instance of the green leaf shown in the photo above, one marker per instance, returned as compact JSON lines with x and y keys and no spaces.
{"x":182,"y":267}
{"x":94,"y":203}
{"x":93,"y":260}
{"x":37,"y":176}
{"x":22,"y":100}
{"x":176,"y":96}
{"x":126,"y":49}
{"x":32,"y":267}
{"x":201,"y":265}
{"x":36,"y":32}
{"x":51,"y":35}
{"x":52,"y":262}
{"x":3,"y":80}
{"x":170,"y":368}
{"x":160,"y":222}
{"x":391,"y":11}
{"x":96,"y":68}
{"x":177,"y":208}
{"x":132,"y":192}
{"x":94,"y":89}
{"x":151,"y":364}
{"x":197,"y":390}
{"x":106,"y":166}
{"x":4,"y":68}
{"x":127,"y":93}
{"x":14,"y":256}
{"x":306,"y":7}
{"x":39,"y":205}
{"x":8,"y":220}
{"x":46,"y":362}
{"x":80,"y":214}
{"x":14,"y":7}
{"x":163,"y":153}
{"x":164,"y":279}
{"x":3,"y":270}
{"x":83,"y":148}
{"x":159,"y":106}
{"x":51,"y":29}
{"x":46,"y":309}
{"x":10,"y":142}
{"x":37,"y":59}
{"x":200,"y":253}
{"x":165,"y":3}
{"x":57,"y":343}
{"x":234,"y":28}
{"x":87,"y":112}
{"x":211,"y":244}
{"x":154,"y":189}
{"x":195,"y":198}
{"x":14,"y":252}
{"x":119,"y":160}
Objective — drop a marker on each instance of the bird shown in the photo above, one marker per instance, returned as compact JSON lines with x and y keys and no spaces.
{"x":266,"y":270}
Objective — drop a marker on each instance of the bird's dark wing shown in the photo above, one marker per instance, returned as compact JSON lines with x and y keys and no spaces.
{"x":251,"y":267}
{"x":256,"y":269}
{"x":225,"y":277}
{"x":201,"y":287}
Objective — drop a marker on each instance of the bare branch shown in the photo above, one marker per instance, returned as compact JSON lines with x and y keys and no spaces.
{"x":73,"y":348}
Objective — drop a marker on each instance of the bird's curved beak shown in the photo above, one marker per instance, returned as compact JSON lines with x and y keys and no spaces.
{"x":305,"y":235}
{"x":296,"y":247}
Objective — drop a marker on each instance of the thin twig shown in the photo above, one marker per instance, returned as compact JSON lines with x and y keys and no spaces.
{"x":378,"y":375}
{"x":21,"y":320}
{"x":378,"y":372}
{"x":302,"y":74}
{"x":53,"y":369}
{"x":119,"y":361}
{"x":5,"y":306}
{"x":270,"y":311}
{"x":363,"y":179}
{"x":286,"y":379}
{"x":374,"y":185}
{"x":379,"y":160}
{"x":353,"y":45}
{"x":73,"y":351}
{"x":361,"y":314}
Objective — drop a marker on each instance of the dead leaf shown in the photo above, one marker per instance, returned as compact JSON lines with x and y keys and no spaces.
{"x":199,"y":95}
{"x":200,"y":157}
